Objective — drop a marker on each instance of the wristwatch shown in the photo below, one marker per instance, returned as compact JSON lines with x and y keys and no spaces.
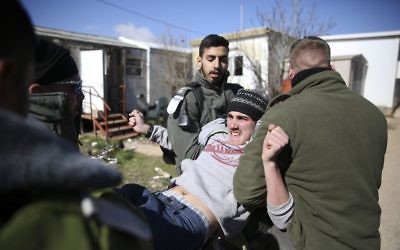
{"x":149,"y":131}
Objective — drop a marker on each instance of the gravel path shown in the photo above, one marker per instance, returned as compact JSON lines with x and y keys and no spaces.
{"x":390,"y":190}
{"x":143,"y":146}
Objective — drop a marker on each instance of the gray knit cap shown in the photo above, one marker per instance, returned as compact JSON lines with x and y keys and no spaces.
{"x":249,"y":102}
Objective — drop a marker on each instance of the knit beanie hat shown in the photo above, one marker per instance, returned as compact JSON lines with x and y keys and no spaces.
{"x":53,"y":63}
{"x":249,"y":102}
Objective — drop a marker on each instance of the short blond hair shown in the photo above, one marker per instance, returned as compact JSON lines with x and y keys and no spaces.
{"x":310,"y":52}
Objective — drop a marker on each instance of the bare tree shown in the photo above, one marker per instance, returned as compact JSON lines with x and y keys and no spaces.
{"x":290,"y":24}
{"x":251,"y":44}
{"x":173,"y":60}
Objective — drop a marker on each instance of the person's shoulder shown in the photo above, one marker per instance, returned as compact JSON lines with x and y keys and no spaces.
{"x":281,"y":107}
{"x":279,"y":99}
{"x":190,"y":92}
{"x":184,"y":90}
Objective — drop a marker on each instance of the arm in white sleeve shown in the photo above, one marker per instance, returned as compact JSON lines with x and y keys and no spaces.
{"x":279,"y":200}
{"x":160,"y":136}
{"x":211,"y":128}
{"x":281,"y":215}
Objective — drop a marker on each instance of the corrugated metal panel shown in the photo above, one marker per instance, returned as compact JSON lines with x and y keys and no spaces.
{"x":55,"y":33}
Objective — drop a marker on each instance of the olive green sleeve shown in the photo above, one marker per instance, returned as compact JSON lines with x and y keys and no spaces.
{"x":249,"y":182}
{"x":249,"y":185}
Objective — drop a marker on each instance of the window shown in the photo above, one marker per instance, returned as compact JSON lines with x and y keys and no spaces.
{"x":238,"y":65}
{"x":134,"y":67}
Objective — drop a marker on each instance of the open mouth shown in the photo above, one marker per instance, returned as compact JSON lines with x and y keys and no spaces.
{"x":235,"y":132}
{"x":214,"y":74}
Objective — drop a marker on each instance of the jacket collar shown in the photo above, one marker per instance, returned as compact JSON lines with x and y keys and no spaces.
{"x":300,"y":76}
{"x":316,"y":78}
{"x":309,"y":79}
{"x":199,"y":77}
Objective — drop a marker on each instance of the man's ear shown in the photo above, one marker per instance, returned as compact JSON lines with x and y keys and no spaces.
{"x":35,"y":88}
{"x":198,"y":60}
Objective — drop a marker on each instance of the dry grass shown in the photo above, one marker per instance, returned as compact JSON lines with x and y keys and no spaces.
{"x":136,"y":167}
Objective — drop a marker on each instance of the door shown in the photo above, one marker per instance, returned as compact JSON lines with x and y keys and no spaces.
{"x":92,"y":75}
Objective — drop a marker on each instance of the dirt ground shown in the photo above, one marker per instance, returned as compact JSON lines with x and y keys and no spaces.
{"x":389,"y":191}
{"x":143,"y":146}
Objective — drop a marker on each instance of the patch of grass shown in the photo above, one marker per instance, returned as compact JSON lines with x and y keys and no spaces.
{"x":135,"y":167}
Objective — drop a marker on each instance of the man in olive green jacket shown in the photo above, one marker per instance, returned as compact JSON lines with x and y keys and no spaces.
{"x":188,"y":112}
{"x":333,"y":163}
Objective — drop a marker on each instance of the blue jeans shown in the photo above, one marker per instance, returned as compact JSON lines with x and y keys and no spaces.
{"x":174,"y":225}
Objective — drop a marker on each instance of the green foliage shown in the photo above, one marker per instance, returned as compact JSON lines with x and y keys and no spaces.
{"x":136,"y":167}
{"x":125,"y":156}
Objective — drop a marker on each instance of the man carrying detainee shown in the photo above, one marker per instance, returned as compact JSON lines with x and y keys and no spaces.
{"x":44,"y":182}
{"x":205,"y":100}
{"x":333,"y":164}
{"x":201,"y":199}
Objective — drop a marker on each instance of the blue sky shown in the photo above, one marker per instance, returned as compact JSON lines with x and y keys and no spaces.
{"x":149,"y":19}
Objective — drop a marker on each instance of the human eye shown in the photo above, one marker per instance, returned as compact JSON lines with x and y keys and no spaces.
{"x":243,"y":118}
{"x":210,"y":58}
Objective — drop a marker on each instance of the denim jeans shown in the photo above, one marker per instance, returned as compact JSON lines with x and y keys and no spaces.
{"x":174,"y":225}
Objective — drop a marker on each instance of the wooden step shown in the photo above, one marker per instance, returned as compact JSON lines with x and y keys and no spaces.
{"x":110,"y":117}
{"x":117,"y":126}
{"x":116,"y":115}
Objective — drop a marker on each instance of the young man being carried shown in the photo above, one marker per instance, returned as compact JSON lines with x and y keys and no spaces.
{"x":201,"y":200}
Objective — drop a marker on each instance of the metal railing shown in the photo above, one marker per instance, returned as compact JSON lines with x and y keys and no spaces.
{"x":92,"y":92}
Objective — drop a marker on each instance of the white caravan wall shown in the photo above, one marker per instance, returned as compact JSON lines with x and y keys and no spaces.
{"x":92,"y":75}
{"x":381,"y":55}
{"x":257,"y":50}
{"x":246,"y":80}
{"x":398,"y":69}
